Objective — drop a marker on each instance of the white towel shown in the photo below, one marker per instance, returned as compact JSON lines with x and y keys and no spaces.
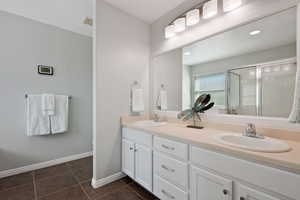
{"x":163,"y":100}
{"x":60,"y":121}
{"x":137,"y":100}
{"x":48,"y":104}
{"x":37,"y":123}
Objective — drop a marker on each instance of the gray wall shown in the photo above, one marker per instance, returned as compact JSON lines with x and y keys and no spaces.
{"x":122,"y":56}
{"x":24,"y":44}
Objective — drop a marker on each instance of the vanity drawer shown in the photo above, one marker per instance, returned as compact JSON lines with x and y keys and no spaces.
{"x":177,"y":149}
{"x":137,"y":136}
{"x":172,"y":170}
{"x":166,"y":191}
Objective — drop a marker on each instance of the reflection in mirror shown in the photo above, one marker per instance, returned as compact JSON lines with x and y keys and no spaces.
{"x":249,"y":70}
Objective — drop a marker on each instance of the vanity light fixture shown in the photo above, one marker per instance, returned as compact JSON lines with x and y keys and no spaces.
{"x":210,"y":9}
{"x":193,"y":17}
{"x":170,"y":31}
{"x":256,"y":32}
{"x":179,"y":24}
{"x":229,"y":5}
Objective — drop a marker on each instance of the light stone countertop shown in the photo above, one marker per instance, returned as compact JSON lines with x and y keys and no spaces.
{"x":204,"y":138}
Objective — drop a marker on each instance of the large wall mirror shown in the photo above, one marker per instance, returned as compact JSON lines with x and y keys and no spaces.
{"x":249,"y":70}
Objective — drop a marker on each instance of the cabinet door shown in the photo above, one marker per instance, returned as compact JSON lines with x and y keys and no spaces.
{"x":205,"y":185}
{"x":245,"y":193}
{"x":143,"y":166}
{"x":128,"y":158}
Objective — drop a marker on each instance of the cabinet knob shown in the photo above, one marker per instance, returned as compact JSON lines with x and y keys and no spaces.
{"x":242,"y":198}
{"x":131,"y":148}
{"x":225,"y":192}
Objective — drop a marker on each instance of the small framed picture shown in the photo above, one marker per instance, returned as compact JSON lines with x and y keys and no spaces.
{"x":45,"y":70}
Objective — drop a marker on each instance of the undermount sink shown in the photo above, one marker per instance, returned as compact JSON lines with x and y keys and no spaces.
{"x":150,"y":123}
{"x":268,"y":145}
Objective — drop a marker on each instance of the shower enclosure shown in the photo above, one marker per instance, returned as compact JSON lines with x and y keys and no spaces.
{"x":262,"y":90}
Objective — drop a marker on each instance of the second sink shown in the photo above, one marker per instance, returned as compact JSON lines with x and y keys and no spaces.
{"x":267,"y":144}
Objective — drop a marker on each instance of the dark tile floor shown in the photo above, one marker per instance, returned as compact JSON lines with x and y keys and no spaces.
{"x":69,"y":181}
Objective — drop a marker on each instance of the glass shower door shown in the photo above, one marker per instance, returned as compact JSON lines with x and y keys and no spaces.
{"x":277,"y":89}
{"x":263,"y":90}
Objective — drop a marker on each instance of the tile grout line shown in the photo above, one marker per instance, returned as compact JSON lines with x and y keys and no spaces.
{"x":64,"y":188}
{"x":34,"y":186}
{"x":14,"y":187}
{"x":60,"y":174}
{"x":78,"y":181}
{"x":111,"y":192}
{"x":57,"y":191}
{"x":83,"y":190}
{"x":134,"y":191}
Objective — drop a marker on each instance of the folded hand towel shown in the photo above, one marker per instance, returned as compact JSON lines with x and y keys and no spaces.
{"x":137,"y":100}
{"x":163,"y":100}
{"x":37,"y":123}
{"x":48,"y":104}
{"x":60,"y":121}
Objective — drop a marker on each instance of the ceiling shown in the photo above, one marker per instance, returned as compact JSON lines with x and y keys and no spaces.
{"x":66,"y":14}
{"x":276,"y":30}
{"x":146,"y":10}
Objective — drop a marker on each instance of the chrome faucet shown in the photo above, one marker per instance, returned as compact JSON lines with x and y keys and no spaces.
{"x":250,"y":131}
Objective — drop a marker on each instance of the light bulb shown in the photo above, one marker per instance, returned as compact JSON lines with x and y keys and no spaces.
{"x":193,"y":17}
{"x":170,"y":31}
{"x":210,"y":9}
{"x":179,"y":24}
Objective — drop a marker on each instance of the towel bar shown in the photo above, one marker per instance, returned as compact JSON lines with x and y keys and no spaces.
{"x":26,"y":96}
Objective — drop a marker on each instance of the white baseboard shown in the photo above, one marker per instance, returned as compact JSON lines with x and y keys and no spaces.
{"x":107,"y":180}
{"x":41,"y":165}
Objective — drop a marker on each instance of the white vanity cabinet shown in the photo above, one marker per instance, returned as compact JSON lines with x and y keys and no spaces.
{"x":245,"y":193}
{"x":205,"y":185}
{"x":137,"y":156}
{"x":174,"y":170}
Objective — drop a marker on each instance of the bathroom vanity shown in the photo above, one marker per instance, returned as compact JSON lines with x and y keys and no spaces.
{"x":174,"y":162}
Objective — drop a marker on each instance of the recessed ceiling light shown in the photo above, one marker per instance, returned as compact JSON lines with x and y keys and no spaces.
{"x":256,"y":32}
{"x":187,"y":53}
